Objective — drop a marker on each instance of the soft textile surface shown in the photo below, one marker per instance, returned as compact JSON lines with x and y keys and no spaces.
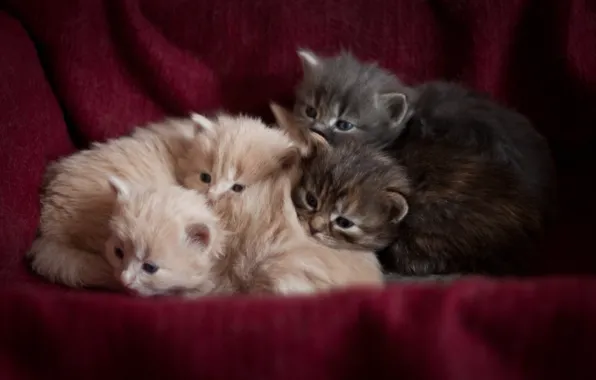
{"x":81,"y":70}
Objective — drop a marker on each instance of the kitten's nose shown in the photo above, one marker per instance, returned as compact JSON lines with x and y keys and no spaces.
{"x":320,"y":128}
{"x":127,"y":278}
{"x":212,"y":195}
{"x":316,"y":224}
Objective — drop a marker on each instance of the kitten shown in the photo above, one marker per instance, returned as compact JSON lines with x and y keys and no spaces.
{"x":238,"y":152}
{"x":269,"y":252}
{"x":481,"y":176}
{"x":158,"y":240}
{"x":350,"y":196}
{"x":76,"y":200}
{"x":163,"y":240}
{"x":340,"y":96}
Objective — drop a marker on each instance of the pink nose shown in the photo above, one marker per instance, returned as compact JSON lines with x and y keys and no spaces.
{"x":214,"y":195}
{"x":316,"y":224}
{"x":126,"y":279}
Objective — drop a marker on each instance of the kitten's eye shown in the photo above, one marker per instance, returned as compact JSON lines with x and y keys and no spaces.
{"x":344,"y":223}
{"x":310,"y":112}
{"x":119,"y":252}
{"x":343,"y":125}
{"x":238,"y":187}
{"x":311,"y":200}
{"x":205,"y":177}
{"x":150,"y":267}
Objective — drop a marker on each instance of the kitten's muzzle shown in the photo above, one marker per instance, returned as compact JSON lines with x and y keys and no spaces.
{"x":319,"y":130}
{"x":316,"y":225}
{"x":214,"y":194}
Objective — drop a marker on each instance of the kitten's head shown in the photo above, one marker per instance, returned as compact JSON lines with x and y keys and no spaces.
{"x":163,"y":240}
{"x":233,"y":153}
{"x":340,"y":97}
{"x":350,"y":195}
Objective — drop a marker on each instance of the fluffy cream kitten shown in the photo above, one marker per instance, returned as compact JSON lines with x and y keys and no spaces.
{"x":163,"y":240}
{"x":77,"y":200}
{"x":234,"y":153}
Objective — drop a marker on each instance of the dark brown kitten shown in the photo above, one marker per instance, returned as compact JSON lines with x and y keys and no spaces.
{"x":482,"y":178}
{"x":484,"y":184}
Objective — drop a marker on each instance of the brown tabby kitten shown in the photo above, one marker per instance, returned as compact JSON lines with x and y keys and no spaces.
{"x":350,"y":196}
{"x":481,"y":177}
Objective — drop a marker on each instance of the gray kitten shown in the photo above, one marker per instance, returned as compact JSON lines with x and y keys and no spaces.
{"x":481,"y":178}
{"x":340,"y":96}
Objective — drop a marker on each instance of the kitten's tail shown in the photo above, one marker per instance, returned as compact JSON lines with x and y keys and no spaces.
{"x":66,"y":265}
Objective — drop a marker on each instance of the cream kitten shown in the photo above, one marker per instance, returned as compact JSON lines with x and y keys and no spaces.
{"x":162,"y":240}
{"x":237,"y":152}
{"x":269,"y":252}
{"x":77,"y":200}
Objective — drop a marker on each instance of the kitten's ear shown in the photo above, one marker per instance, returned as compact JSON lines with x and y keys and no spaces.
{"x":311,"y":64}
{"x":119,"y":187}
{"x":283,"y":162}
{"x":288,"y":123}
{"x":399,"y":203}
{"x":199,"y":233}
{"x":289,"y":158}
{"x":398,"y":105}
{"x":204,"y":123}
{"x":309,"y":59}
{"x":308,"y":142}
{"x":284,"y":118}
{"x":205,"y":128}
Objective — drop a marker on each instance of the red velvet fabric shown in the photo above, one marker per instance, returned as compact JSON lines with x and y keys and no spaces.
{"x":73,"y":71}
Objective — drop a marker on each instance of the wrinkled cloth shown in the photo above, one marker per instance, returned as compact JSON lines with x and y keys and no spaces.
{"x":76,"y":71}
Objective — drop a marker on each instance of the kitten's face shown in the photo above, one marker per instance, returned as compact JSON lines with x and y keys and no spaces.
{"x":351,"y":197}
{"x":162,"y":241}
{"x":240,"y":152}
{"x":340,"y":97}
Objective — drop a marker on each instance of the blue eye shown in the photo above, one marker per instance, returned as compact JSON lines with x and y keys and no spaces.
{"x":343,"y":125}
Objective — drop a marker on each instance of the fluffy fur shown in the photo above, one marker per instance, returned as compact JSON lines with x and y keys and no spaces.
{"x":349,"y":196}
{"x":77,"y":199}
{"x":239,"y":151}
{"x":269,"y":252}
{"x":352,"y":197}
{"x":339,"y":96}
{"x":481,"y":177}
{"x":163,"y":240}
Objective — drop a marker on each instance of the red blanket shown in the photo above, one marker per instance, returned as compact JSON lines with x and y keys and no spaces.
{"x":73,"y":71}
